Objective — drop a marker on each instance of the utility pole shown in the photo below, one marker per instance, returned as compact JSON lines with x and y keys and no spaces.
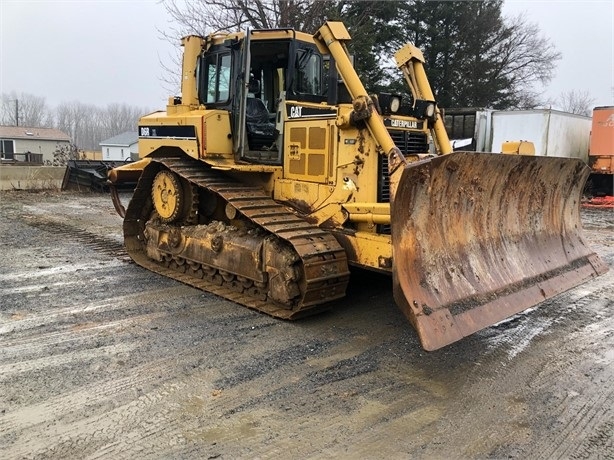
{"x":16,"y":112}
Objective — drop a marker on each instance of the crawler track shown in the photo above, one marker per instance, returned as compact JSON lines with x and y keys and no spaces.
{"x":323,"y":263}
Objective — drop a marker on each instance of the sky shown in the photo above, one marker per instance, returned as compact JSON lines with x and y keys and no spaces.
{"x":92,"y":51}
{"x":104,"y":52}
{"x":583,"y":32}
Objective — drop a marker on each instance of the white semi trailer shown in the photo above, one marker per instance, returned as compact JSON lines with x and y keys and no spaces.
{"x":552,"y":132}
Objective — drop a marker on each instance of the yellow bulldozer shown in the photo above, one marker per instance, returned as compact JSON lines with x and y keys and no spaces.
{"x":275,"y":171}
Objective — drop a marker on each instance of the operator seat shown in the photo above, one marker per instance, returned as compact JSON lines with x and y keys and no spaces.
{"x":260,"y":129}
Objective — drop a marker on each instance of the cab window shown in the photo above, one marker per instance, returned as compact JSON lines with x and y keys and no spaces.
{"x":307,"y":83}
{"x":216,"y":79}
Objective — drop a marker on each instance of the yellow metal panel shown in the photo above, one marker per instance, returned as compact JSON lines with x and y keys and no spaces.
{"x":338,"y":30}
{"x":297,"y":166}
{"x":192,"y":47}
{"x":332,"y":154}
{"x":303,"y":194}
{"x":367,"y":250}
{"x":407,"y":53}
{"x":307,"y":147}
{"x":317,"y":138}
{"x":280,"y":34}
{"x":148,"y":146}
{"x":218,"y":140}
{"x":260,"y":35}
{"x":283,"y":190}
{"x":228,"y":164}
{"x":128,"y":172}
{"x":357,"y":164}
{"x":299,"y":135}
{"x":315,"y":164}
{"x":518,"y":148}
{"x":212,"y":129}
{"x":371,"y":213}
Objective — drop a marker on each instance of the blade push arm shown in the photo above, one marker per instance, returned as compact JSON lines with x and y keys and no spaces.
{"x":330,"y":39}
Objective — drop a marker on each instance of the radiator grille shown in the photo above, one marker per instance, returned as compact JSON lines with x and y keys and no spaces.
{"x":408,"y":143}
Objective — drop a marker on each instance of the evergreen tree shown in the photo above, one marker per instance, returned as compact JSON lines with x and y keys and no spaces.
{"x":474,"y":57}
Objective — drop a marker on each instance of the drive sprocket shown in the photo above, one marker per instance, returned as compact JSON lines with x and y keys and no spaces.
{"x":167,"y":195}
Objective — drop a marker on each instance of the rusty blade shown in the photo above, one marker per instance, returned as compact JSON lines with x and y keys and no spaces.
{"x":478,"y":237}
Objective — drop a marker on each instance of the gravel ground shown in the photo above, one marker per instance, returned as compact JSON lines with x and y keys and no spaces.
{"x":100,"y":358}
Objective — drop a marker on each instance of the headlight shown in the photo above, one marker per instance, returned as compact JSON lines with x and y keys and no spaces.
{"x":389,"y":103}
{"x":430,"y":111}
{"x":395,"y":104}
{"x":424,"y":109}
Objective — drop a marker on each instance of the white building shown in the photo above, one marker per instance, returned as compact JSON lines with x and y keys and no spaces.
{"x":124,"y":146}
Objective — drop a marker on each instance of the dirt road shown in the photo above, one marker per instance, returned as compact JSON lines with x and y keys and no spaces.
{"x":100,"y":358}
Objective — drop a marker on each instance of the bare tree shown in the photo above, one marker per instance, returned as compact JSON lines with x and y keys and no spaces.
{"x":576,"y":101}
{"x":202,"y":17}
{"x":24,"y":110}
{"x":527,"y":60}
{"x":119,"y":118}
{"x":88,"y":125}
{"x":77,"y":120}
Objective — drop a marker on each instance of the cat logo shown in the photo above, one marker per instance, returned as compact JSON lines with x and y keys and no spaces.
{"x":295,"y":112}
{"x":403,"y":124}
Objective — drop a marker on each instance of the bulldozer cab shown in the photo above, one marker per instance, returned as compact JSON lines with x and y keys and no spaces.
{"x":251,"y":76}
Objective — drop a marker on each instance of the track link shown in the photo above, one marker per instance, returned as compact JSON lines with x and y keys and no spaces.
{"x":323,"y":262}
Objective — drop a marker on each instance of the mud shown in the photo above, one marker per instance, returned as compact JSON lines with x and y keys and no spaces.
{"x":100,"y":358}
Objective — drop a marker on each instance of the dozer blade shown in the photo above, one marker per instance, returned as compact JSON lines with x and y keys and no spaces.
{"x":478,"y":237}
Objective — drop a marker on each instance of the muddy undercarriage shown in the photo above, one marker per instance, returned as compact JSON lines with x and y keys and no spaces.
{"x":199,"y":227}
